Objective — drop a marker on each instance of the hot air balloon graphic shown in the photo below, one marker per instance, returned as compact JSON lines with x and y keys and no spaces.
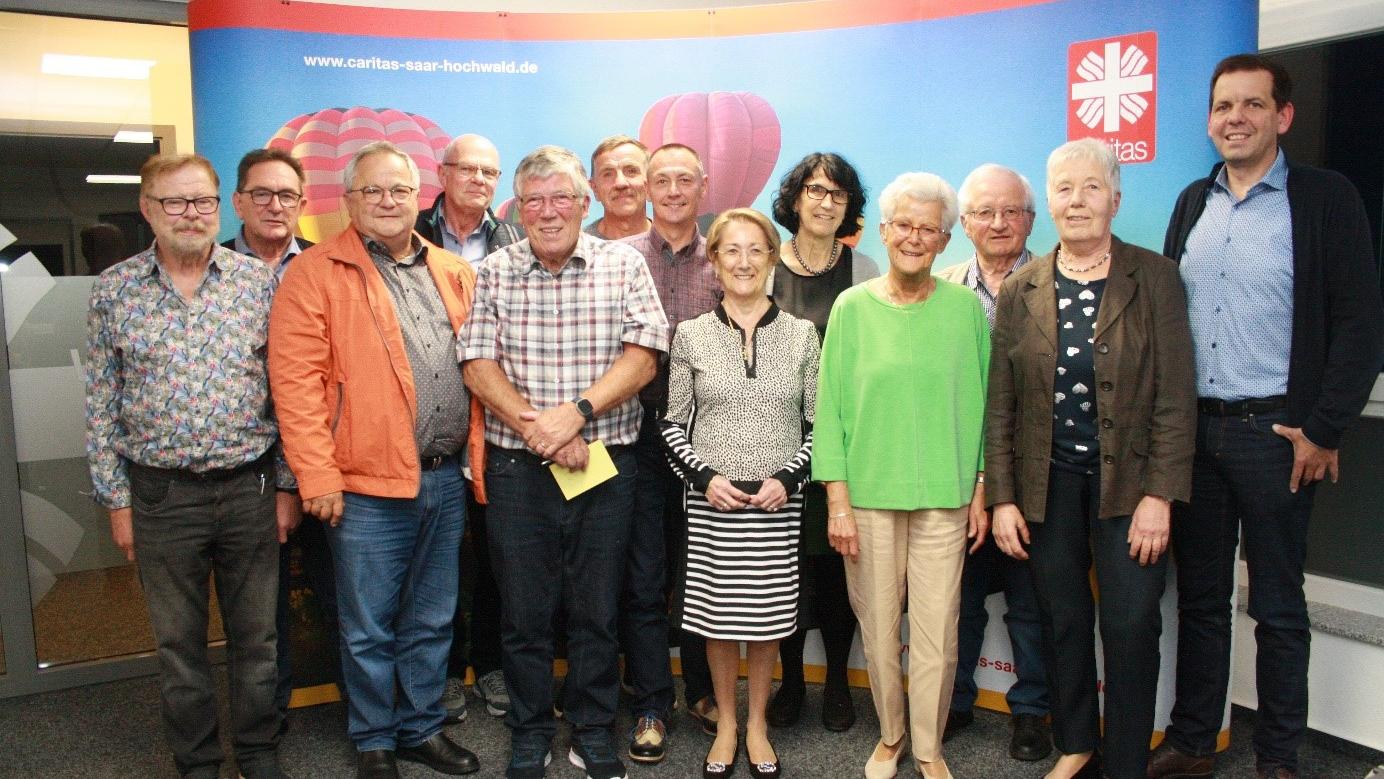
{"x":324,"y":142}
{"x":736,"y":134}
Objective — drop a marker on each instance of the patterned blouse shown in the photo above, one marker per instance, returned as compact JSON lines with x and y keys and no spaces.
{"x":749,"y":419}
{"x":173,"y":382}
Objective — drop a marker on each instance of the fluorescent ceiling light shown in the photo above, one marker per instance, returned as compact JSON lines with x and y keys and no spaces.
{"x":134,"y":136}
{"x":96,"y":67}
{"x":111,"y":178}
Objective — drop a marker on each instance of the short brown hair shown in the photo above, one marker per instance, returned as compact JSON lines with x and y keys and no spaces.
{"x":256,"y":156}
{"x":1235,"y":63}
{"x":613,"y":142}
{"x":163,"y":164}
{"x":719,"y":225}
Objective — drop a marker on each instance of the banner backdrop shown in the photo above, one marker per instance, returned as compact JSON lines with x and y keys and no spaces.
{"x":891,"y":85}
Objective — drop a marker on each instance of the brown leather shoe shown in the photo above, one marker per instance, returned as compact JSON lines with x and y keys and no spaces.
{"x":1276,"y":772}
{"x":1167,"y":763}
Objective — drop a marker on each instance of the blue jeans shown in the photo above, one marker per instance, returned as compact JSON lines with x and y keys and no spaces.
{"x":187,"y":531}
{"x":396,"y":591}
{"x":987,"y":571}
{"x":644,"y":602}
{"x":1065,"y":546}
{"x":551,"y":555}
{"x":1240,"y":482}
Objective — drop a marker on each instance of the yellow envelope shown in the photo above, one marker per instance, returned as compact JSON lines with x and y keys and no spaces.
{"x":599,"y":468}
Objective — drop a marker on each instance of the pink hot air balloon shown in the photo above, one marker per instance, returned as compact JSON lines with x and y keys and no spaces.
{"x":736,"y":134}
{"x":325,"y":141}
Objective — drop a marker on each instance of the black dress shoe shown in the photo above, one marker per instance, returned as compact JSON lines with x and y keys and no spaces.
{"x":786,"y":707}
{"x":443,"y":755}
{"x":1167,"y":762}
{"x":376,"y":764}
{"x":1030,"y":740}
{"x":838,"y":710}
{"x":768,"y":770}
{"x":717,"y":770}
{"x":957,"y":721}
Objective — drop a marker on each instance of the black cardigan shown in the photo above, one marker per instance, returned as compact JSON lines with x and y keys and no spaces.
{"x":1338,"y":317}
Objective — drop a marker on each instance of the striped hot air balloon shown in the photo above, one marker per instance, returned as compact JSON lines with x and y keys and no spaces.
{"x":736,"y":134}
{"x":324,"y":142}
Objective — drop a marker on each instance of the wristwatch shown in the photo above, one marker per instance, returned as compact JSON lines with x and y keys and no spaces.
{"x":584,"y":407}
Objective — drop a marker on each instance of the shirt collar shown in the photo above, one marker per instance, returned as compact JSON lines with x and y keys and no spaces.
{"x":769,"y":316}
{"x":483,"y":227}
{"x":973,"y":269}
{"x":243,"y":247}
{"x":582,"y":255}
{"x":418,"y":252}
{"x":1276,"y":177}
{"x":220,"y":259}
{"x":660,"y":244}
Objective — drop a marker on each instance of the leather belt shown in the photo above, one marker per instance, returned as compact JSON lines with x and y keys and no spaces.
{"x":215,"y":474}
{"x":1237,"y":408}
{"x":436,"y":461}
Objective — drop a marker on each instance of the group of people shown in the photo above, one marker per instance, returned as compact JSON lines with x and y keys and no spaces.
{"x":800,"y":441}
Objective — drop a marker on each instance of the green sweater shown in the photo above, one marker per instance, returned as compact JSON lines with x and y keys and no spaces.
{"x":901,"y":398}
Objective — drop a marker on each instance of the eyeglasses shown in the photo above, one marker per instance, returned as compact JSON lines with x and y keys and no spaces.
{"x":734,"y":253}
{"x":374,"y":195}
{"x":903,"y":230}
{"x":987,"y":215}
{"x":468,"y":170}
{"x":838,"y":196}
{"x":261,"y":197}
{"x":177,"y":206}
{"x":560,"y":201}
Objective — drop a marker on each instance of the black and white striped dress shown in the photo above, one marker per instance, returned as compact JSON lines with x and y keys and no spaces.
{"x":746,"y":420}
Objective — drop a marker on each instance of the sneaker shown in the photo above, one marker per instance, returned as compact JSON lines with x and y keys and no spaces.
{"x":647,"y":740}
{"x":528,"y":762}
{"x":454,"y":700}
{"x":591,"y":751}
{"x":491,"y":689}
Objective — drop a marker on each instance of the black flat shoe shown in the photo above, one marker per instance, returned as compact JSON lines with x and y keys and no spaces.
{"x":770,"y":770}
{"x":715,"y":770}
{"x":786,"y":707}
{"x":1030,"y":740}
{"x":838,"y":710}
{"x":443,"y":755}
{"x":376,"y":764}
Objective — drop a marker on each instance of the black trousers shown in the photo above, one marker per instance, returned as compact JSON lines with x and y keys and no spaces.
{"x":1063,"y":549}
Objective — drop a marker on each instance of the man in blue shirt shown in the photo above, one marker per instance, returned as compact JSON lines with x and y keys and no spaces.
{"x":1286,"y":320}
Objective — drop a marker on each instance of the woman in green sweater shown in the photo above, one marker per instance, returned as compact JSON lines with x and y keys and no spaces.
{"x":900,"y":415}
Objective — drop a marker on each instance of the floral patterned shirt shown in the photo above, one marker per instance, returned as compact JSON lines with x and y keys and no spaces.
{"x":173,"y":382}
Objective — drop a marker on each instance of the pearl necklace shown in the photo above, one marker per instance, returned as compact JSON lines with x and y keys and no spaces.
{"x":831,"y":259}
{"x":1068,"y":268}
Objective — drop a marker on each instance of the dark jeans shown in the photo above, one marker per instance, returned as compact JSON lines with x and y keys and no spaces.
{"x":988,"y":571}
{"x":551,"y":555}
{"x":1240,"y":481}
{"x":476,"y":641}
{"x":1063,"y":549}
{"x":316,"y":557}
{"x":396,"y":590}
{"x":186,"y":531}
{"x":644,"y":597}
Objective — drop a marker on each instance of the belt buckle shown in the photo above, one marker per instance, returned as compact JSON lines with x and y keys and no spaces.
{"x":434,"y":462}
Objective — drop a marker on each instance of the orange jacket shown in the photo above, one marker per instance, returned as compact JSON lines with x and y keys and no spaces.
{"x":343,"y":389}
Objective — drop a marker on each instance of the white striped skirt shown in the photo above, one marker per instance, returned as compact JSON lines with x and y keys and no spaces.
{"x":741,"y":582}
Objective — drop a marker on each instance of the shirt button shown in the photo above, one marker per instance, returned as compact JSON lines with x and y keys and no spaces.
{"x":1107,"y":423}
{"x":1103,"y":348}
{"x":1108,"y":459}
{"x":1106,"y":386}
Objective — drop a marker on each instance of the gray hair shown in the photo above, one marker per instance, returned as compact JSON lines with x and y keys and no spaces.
{"x":923,"y":187}
{"x":964,"y":195}
{"x":548,"y":161}
{"x":1091,"y":150}
{"x":380,"y":147}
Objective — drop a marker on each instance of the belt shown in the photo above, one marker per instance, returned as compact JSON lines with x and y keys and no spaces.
{"x":436,"y":461}
{"x":215,"y":474}
{"x":1237,"y":408}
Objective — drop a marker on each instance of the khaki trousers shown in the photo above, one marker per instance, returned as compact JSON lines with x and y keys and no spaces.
{"x":918,"y":553}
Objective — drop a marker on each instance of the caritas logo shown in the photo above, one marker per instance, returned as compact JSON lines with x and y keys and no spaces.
{"x":1113,"y":93}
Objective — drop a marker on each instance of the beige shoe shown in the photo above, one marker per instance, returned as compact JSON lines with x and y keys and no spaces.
{"x":937,"y":769}
{"x":887,"y":768}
